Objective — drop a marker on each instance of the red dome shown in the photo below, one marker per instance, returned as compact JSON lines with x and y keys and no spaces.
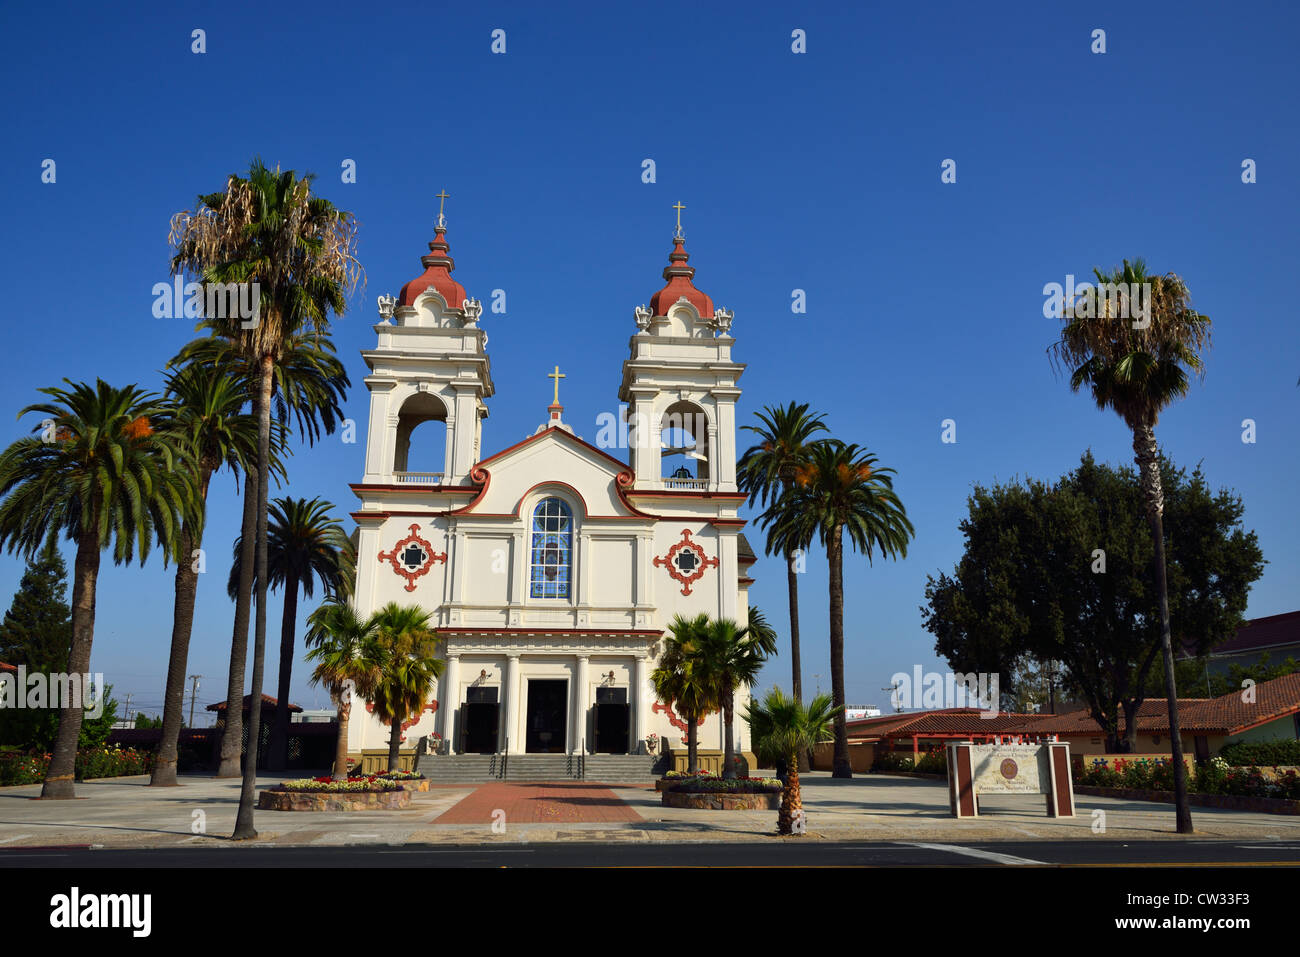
{"x":679,"y":277}
{"x":437,"y":273}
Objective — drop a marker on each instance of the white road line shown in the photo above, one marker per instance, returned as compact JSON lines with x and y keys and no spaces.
{"x":976,"y":852}
{"x":18,"y":838}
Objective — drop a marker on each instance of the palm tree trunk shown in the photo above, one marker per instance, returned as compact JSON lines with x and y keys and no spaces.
{"x":341,"y":746}
{"x":61,"y":774}
{"x":792,"y":584}
{"x":729,"y":746}
{"x":244,"y":820}
{"x":394,"y":744}
{"x":796,"y":800}
{"x":279,"y":756}
{"x":784,"y":816}
{"x":692,"y":745}
{"x":840,"y":767}
{"x":232,"y":738}
{"x":1147,"y":454}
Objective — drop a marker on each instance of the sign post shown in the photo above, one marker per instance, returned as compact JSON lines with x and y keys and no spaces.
{"x":975,"y":769}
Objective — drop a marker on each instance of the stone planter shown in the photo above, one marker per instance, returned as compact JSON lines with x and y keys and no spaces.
{"x":274,"y":799}
{"x":723,"y":800}
{"x":420,"y":785}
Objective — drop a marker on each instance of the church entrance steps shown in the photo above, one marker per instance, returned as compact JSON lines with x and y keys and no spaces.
{"x":543,"y":767}
{"x":462,"y":768}
{"x":619,"y":768}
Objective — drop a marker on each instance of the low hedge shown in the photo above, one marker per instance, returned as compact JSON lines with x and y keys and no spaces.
{"x":1267,"y":754}
{"x":892,"y":761}
{"x":1215,"y":776}
{"x":91,"y":763}
{"x":329,"y":786}
{"x":705,"y":785}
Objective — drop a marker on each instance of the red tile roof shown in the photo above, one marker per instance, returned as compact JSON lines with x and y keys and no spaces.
{"x":267,"y":702}
{"x":949,"y":721}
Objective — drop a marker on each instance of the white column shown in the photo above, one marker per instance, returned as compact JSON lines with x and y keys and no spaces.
{"x":579,"y":743}
{"x":449,"y":700}
{"x":640,"y":710}
{"x":511,"y":717}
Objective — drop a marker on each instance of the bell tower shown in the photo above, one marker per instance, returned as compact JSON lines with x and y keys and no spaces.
{"x":430,"y":365}
{"x":680,"y":386}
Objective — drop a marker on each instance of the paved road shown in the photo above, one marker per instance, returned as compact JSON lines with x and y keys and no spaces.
{"x":1237,"y":853}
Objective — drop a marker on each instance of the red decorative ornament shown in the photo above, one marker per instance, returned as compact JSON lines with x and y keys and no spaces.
{"x":412,"y":557}
{"x":686,"y":561}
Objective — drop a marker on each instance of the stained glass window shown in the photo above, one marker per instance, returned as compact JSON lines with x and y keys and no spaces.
{"x":551,"y":561}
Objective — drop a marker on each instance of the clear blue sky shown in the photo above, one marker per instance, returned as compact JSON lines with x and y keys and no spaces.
{"x":818,"y":171}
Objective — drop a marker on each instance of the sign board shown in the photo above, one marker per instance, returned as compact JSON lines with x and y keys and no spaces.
{"x":975,"y":769}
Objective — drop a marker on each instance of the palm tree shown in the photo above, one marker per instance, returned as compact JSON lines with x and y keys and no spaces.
{"x":305,"y":543}
{"x":682,"y":679}
{"x":841,"y":489}
{"x":733,"y":657}
{"x":782,"y":728}
{"x":409,"y":669}
{"x":299,"y":250}
{"x":310,"y":384}
{"x":346,"y":656}
{"x":765,"y":471}
{"x":103,"y":475}
{"x":1137,"y":369}
{"x":206,"y":403}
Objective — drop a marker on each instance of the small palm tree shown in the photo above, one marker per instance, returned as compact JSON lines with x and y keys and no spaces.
{"x":682,"y":679}
{"x":346,"y":657}
{"x":782,"y":728}
{"x":765,"y":472}
{"x":409,"y":669}
{"x":733,"y":657}
{"x":101,"y":473}
{"x":306,"y":543}
{"x":841,"y":489}
{"x":1137,"y":369}
{"x":206,"y":402}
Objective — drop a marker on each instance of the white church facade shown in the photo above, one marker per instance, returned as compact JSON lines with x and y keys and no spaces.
{"x":553,"y":566}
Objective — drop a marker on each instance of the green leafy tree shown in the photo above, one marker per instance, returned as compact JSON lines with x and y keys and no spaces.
{"x":733,"y":657}
{"x":841,"y":490}
{"x":37,"y":628}
{"x":1061,"y":572}
{"x":269,"y":229}
{"x":1137,"y":367}
{"x":102,"y":474}
{"x":786,"y":435}
{"x":781,"y":727}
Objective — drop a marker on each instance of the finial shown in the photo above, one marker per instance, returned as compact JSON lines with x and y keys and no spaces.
{"x":679,"y":207}
{"x":442,"y":198}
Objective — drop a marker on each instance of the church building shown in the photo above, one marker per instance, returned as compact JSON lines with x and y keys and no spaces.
{"x":553,"y":566}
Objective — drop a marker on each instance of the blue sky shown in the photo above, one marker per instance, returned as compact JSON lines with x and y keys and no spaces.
{"x":817,"y":171}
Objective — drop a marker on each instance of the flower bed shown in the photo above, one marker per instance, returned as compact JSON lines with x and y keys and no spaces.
{"x":107,"y":762}
{"x":279,"y":799}
{"x":1231,"y":802}
{"x":1212,"y":777}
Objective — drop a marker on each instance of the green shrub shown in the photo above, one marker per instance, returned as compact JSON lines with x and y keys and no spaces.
{"x":892,"y":761}
{"x":1268,"y":754}
{"x":934,"y":761}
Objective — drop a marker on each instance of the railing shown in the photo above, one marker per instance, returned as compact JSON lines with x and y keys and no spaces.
{"x":686,"y":483}
{"x":418,"y":478}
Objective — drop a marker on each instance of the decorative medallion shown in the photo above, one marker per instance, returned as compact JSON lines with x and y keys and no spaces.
{"x":1009,"y":769}
{"x":412,"y":557}
{"x":686,"y":561}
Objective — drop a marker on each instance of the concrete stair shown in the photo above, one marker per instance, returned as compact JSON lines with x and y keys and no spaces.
{"x":462,"y":768}
{"x":543,"y":767}
{"x":619,"y":768}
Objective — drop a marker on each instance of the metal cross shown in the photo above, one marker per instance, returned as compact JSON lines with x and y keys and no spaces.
{"x":442,"y":198}
{"x":557,"y":375}
{"x":679,"y":207}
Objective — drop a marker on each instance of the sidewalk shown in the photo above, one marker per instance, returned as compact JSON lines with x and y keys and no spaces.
{"x":124,"y":812}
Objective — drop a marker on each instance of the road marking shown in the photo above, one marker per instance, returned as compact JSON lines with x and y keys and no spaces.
{"x":976,"y":852}
{"x":18,"y":838}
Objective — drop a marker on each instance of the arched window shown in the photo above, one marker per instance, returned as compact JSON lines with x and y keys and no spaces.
{"x":551,"y":561}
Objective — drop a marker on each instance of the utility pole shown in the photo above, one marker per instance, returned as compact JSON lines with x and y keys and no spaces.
{"x":127,"y":716}
{"x":194,"y":693}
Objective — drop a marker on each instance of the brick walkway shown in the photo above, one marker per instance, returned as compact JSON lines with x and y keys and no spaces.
{"x":560,"y":803}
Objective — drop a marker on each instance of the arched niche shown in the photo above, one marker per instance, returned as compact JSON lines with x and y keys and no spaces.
{"x":684,"y":443}
{"x":429,"y":444}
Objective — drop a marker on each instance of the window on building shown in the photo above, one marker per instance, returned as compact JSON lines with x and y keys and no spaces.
{"x":551,"y":561}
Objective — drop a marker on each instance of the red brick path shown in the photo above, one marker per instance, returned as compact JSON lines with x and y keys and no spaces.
{"x":560,"y":803}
